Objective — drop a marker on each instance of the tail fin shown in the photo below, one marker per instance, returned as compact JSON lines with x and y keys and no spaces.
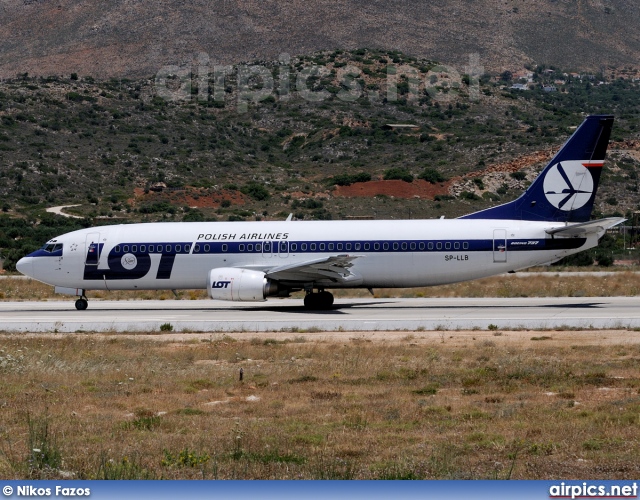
{"x":566,"y":188}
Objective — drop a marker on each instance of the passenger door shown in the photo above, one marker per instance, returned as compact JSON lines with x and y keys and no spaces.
{"x":92,"y":256}
{"x":499,"y":245}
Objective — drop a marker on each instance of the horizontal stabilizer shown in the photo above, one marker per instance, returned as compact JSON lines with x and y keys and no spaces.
{"x":584,"y":228}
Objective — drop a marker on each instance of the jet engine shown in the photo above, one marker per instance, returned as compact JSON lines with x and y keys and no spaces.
{"x":230,"y":283}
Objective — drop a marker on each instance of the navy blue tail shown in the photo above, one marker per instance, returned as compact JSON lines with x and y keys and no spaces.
{"x":566,"y":188}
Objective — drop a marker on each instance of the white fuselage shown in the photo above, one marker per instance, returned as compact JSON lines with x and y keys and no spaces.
{"x":407,"y":253}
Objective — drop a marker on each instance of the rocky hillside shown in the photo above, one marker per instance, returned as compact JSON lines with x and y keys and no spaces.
{"x":118,"y":149}
{"x":119,"y":152}
{"x":135,"y":38}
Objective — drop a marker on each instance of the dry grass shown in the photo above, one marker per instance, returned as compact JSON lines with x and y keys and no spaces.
{"x":523,"y":285}
{"x":414,"y":406}
{"x":622,"y":283}
{"x":12,"y":289}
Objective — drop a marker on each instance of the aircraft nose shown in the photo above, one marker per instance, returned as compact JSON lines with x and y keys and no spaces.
{"x":25,"y":266}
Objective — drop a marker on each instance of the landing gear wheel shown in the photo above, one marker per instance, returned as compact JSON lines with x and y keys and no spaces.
{"x":309,"y":300}
{"x":326,"y":300}
{"x":318,"y":301}
{"x":82,"y":304}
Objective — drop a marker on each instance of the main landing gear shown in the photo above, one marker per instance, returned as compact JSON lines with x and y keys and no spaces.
{"x":318,"y":301}
{"x":82,"y":303}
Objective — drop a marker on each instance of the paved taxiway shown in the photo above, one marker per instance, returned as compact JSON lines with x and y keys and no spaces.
{"x":347,"y":314}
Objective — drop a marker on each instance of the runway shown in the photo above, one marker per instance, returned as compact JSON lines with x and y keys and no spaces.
{"x":347,"y":315}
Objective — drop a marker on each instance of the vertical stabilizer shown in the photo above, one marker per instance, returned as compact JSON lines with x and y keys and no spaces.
{"x":566,"y":189}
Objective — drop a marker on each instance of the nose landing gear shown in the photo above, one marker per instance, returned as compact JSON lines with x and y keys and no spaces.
{"x":82,"y":303}
{"x":318,"y":301}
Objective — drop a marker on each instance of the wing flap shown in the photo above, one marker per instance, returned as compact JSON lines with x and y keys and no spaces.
{"x":335,"y":268}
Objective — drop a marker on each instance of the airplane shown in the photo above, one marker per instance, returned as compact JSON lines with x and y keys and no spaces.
{"x":250,"y":261}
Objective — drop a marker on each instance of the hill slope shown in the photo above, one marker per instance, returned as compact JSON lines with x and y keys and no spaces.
{"x":106,"y":145}
{"x":136,"y":38}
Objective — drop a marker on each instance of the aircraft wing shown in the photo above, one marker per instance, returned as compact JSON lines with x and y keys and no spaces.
{"x":584,"y":228}
{"x":335,"y":268}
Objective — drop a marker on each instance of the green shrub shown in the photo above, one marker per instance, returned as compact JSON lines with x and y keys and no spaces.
{"x":468,"y":195}
{"x":443,"y":197}
{"x":348,"y":179}
{"x":432,"y":175}
{"x":256,"y":191}
{"x":398,"y":173}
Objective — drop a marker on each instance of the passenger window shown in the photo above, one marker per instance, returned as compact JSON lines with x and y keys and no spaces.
{"x":178,"y":248}
{"x":421,"y":245}
{"x":167,"y":248}
{"x":125,"y":248}
{"x":321,"y":246}
{"x":134,"y":248}
{"x":456,"y":245}
{"x":404,"y":246}
{"x":430,"y":246}
{"x":196,"y":249}
{"x":117,"y":249}
{"x":348,"y":246}
{"x":412,"y":246}
{"x":143,"y":248}
{"x":330,"y":246}
{"x":294,"y":247}
{"x":339,"y":246}
{"x":385,"y":246}
{"x":283,"y":247}
{"x":376,"y":246}
{"x":250,"y":247}
{"x":313,"y":247}
{"x":267,"y":247}
{"x":439,"y":246}
{"x":151,"y":248}
{"x":241,"y":247}
{"x":303,"y":247}
{"x":207,"y":248}
{"x":395,"y":245}
{"x":225,"y":247}
{"x":357,"y":246}
{"x":258,"y":247}
{"x":465,"y":245}
{"x":447,"y":245}
{"x":187,"y":248}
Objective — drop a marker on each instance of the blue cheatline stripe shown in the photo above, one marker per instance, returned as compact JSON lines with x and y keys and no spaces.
{"x":336,"y":246}
{"x":173,"y":249}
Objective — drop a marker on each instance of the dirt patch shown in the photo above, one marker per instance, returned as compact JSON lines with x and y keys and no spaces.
{"x":396,"y":188}
{"x":422,"y":189}
{"x":214,"y":200}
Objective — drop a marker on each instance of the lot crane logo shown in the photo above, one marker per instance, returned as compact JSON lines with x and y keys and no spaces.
{"x":129,"y":261}
{"x":568,"y":185}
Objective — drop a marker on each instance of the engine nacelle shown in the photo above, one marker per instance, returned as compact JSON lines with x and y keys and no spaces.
{"x":230,"y":283}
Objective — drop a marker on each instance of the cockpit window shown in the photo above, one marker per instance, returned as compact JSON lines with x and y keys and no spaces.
{"x":52,"y":247}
